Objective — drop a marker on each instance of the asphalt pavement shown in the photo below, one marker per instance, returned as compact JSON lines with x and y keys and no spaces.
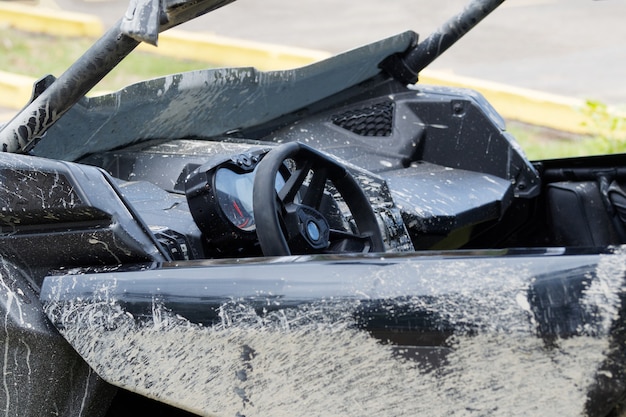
{"x":573,"y":48}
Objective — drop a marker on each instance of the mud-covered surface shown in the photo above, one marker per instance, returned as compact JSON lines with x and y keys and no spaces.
{"x":331,"y":370}
{"x":317,"y":358}
{"x":207,"y":103}
{"x":40,"y":373}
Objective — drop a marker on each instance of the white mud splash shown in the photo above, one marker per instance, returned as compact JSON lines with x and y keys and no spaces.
{"x":314,"y":361}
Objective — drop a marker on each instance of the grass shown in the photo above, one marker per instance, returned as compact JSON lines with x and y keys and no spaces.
{"x":545,"y":143}
{"x":36,"y":55}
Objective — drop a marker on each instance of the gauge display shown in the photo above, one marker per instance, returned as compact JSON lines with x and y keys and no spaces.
{"x":234,"y":196}
{"x":219,"y":194}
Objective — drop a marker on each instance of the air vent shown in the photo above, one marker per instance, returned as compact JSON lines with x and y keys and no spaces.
{"x":373,"y":120}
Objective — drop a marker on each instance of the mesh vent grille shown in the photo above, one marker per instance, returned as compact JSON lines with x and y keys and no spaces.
{"x":374,"y":120}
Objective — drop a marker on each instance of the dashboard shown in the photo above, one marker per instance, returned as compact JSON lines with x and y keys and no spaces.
{"x":197,"y":198}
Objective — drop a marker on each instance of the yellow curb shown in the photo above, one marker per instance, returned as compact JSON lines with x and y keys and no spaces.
{"x":222,"y":51}
{"x":15,"y":90}
{"x":49,"y":21}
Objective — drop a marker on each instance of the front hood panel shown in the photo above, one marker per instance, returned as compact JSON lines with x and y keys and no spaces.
{"x":208,"y":103}
{"x":477,"y":335}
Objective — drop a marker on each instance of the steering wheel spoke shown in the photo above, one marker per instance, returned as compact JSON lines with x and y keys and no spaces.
{"x":315,"y":189}
{"x":289,"y":191}
{"x":289,"y":221}
{"x":342,"y":241}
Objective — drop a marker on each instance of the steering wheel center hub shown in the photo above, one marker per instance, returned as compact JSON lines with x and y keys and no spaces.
{"x":313,"y":231}
{"x":314,"y":227}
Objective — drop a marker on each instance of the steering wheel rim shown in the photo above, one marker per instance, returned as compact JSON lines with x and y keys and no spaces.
{"x":280,"y":219}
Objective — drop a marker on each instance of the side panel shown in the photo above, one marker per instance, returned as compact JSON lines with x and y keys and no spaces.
{"x":42,"y":375}
{"x":482,"y":333}
{"x":63,"y":215}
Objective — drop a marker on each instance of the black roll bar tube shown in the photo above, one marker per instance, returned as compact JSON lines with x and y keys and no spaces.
{"x":406,"y":67}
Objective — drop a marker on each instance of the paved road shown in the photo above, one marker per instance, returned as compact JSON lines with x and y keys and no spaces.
{"x":568,"y":47}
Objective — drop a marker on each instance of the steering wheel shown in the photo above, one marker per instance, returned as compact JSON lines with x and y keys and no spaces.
{"x":289,"y":221}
